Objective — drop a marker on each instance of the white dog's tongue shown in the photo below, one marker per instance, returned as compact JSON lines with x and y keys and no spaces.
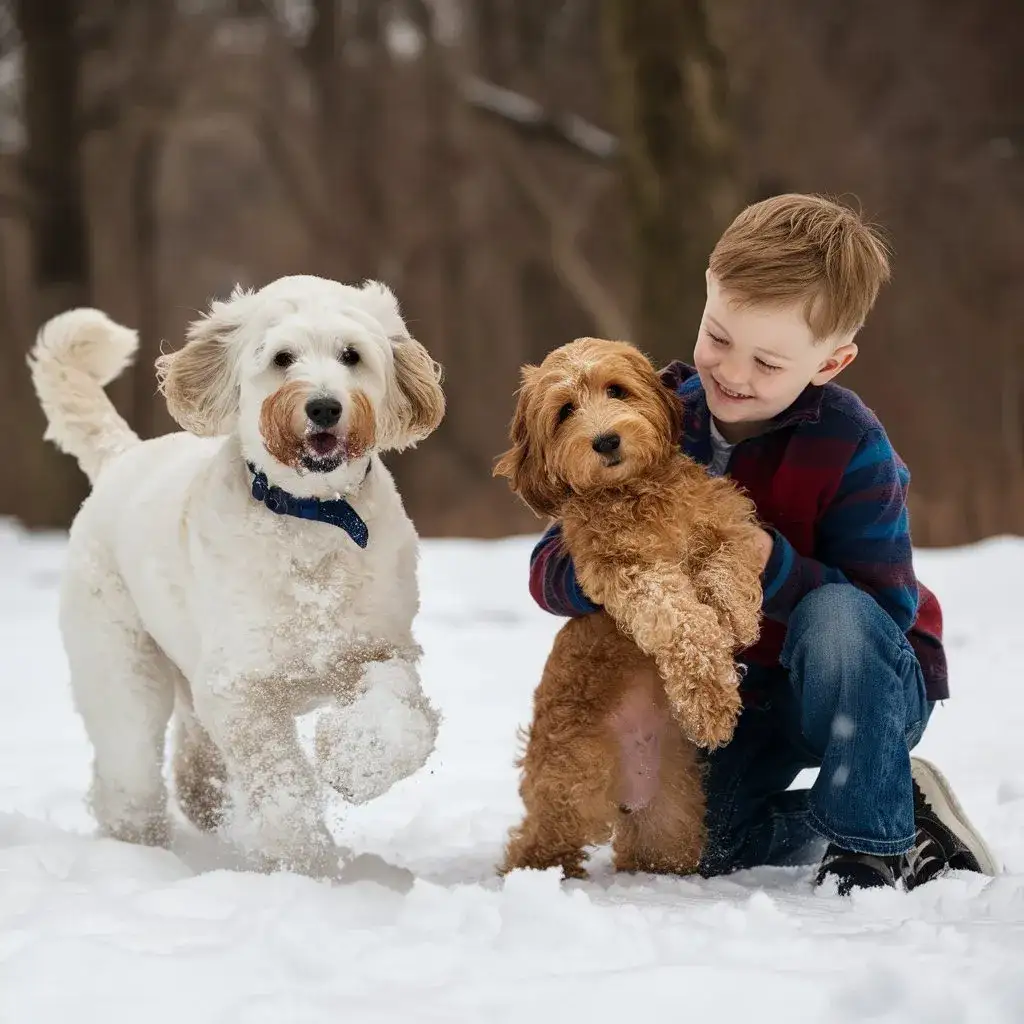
{"x":322,"y":442}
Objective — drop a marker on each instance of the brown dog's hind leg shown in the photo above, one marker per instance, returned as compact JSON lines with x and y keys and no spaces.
{"x":570,"y":775}
{"x":667,"y":836}
{"x":569,"y":805}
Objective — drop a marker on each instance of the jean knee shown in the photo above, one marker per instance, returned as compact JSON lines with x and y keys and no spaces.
{"x":831,"y":628}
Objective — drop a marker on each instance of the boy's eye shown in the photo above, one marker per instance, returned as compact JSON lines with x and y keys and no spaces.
{"x":615,"y":391}
{"x":565,"y":412}
{"x":716,"y":339}
{"x":767,"y":367}
{"x":284,"y":359}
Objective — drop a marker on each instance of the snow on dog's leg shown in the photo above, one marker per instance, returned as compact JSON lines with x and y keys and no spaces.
{"x":278,"y":807}
{"x":123,"y":687}
{"x":386,"y":735}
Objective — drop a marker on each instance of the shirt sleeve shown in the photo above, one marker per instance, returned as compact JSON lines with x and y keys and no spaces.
{"x":863,"y":539}
{"x":553,"y":582}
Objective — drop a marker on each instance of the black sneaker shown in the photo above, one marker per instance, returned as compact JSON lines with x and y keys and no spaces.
{"x":946,"y":839}
{"x":853,"y":870}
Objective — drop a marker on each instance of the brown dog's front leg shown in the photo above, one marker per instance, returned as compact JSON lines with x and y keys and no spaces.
{"x":660,"y":609}
{"x":729,"y":580}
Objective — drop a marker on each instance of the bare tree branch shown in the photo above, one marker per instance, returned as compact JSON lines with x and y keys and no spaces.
{"x":565,"y":221}
{"x":530,"y":118}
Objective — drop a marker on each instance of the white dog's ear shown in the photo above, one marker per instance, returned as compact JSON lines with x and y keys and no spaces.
{"x":380,"y":302}
{"x":415,"y":403}
{"x":199,"y":381}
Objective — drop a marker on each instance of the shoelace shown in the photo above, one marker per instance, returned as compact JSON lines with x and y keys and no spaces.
{"x":925,"y":852}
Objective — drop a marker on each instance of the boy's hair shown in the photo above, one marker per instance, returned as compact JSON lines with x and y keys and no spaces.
{"x":795,"y":247}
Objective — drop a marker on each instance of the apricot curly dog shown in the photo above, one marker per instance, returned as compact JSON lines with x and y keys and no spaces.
{"x":629,"y":693}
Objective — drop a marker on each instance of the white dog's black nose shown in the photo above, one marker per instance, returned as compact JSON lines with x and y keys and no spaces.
{"x":323,"y":412}
{"x":605,"y":443}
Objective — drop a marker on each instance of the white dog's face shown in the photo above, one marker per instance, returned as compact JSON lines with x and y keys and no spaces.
{"x":311,"y":374}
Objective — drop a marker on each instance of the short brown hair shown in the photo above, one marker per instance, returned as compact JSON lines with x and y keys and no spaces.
{"x":809,"y":248}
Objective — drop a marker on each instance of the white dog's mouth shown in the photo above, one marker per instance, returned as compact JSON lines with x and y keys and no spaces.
{"x":323,"y":443}
{"x":323,"y":451}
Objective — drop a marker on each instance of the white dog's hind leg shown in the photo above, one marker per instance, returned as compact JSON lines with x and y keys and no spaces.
{"x":386,"y":735}
{"x":200,"y":776}
{"x":123,"y":687}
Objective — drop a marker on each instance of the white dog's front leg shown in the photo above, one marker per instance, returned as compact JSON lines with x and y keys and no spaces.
{"x":278,"y":803}
{"x":385,"y":735}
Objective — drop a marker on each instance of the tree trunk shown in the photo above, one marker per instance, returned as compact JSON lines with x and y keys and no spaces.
{"x":669,"y":96}
{"x":60,"y":250}
{"x":60,"y":254}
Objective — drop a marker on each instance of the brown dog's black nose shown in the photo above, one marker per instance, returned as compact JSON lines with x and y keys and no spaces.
{"x":605,"y":443}
{"x":323,"y":412}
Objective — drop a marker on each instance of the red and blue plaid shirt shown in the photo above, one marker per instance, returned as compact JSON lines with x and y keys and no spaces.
{"x":832,"y":491}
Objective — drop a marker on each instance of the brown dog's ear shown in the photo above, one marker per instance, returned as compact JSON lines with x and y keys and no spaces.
{"x":666,"y":384}
{"x":673,"y":406}
{"x":523,"y":465}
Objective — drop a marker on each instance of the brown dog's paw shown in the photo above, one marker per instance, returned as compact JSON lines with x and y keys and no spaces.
{"x":709,"y":711}
{"x":712,"y":724}
{"x":535,"y":860}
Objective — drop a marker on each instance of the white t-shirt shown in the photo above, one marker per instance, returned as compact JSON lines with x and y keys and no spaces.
{"x":721,"y":451}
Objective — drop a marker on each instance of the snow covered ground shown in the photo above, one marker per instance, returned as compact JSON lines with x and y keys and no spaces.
{"x":97,"y":930}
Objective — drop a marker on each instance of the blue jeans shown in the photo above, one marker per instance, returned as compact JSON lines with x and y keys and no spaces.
{"x":849,"y":699}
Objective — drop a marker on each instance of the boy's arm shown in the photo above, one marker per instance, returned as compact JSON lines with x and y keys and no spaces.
{"x":863,"y":539}
{"x":553,"y":582}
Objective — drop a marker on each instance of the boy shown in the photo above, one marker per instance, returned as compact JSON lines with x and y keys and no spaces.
{"x":850,"y":661}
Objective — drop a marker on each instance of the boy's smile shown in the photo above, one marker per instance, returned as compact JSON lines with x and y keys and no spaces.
{"x":755,"y":360}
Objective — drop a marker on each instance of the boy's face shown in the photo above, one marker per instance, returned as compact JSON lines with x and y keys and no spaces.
{"x":754,"y":361}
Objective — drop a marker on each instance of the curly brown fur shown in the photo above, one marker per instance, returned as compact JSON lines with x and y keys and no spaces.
{"x":672,"y":556}
{"x":577,"y":776}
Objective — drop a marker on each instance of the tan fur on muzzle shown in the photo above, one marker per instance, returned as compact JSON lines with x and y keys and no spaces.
{"x":283,"y":422}
{"x":361,"y":432}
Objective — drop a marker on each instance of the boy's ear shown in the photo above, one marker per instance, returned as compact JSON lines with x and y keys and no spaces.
{"x":840,"y":359}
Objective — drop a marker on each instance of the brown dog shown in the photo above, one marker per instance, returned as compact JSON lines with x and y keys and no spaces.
{"x":671,"y":554}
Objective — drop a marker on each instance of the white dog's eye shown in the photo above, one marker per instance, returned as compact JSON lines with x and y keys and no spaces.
{"x":284,"y":358}
{"x":349,"y":357}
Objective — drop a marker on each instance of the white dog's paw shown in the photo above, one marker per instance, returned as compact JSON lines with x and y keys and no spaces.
{"x":299,"y":842}
{"x":363,"y":749}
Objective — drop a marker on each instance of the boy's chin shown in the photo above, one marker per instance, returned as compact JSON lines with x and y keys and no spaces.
{"x":728,"y":413}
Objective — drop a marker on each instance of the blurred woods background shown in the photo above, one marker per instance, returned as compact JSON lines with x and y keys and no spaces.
{"x":522,"y":172}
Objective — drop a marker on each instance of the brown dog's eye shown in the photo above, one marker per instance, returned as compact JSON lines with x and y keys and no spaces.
{"x":565,"y":412}
{"x":284,"y":358}
{"x":615,"y":391}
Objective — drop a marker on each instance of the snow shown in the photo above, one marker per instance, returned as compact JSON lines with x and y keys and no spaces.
{"x":420,"y":929}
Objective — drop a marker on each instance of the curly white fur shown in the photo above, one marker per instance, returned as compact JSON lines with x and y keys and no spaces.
{"x":182,"y":595}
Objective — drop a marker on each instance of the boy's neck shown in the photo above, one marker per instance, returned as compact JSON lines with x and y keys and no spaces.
{"x":734,"y":433}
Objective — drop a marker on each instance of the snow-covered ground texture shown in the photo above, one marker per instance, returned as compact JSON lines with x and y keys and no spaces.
{"x":94,"y":930}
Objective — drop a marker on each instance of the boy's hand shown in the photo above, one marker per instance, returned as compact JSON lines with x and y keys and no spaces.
{"x":766,"y":544}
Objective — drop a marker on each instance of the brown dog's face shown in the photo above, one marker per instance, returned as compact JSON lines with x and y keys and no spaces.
{"x":593,"y":415}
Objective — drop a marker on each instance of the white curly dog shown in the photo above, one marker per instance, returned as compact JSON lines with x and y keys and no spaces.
{"x":255,"y":567}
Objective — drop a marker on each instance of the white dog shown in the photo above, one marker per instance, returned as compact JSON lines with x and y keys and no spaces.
{"x":250,"y":570}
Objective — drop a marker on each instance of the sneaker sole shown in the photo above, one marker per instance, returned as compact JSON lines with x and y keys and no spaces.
{"x":937,"y":791}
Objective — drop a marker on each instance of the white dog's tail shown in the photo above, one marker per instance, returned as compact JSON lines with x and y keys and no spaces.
{"x":75,"y":356}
